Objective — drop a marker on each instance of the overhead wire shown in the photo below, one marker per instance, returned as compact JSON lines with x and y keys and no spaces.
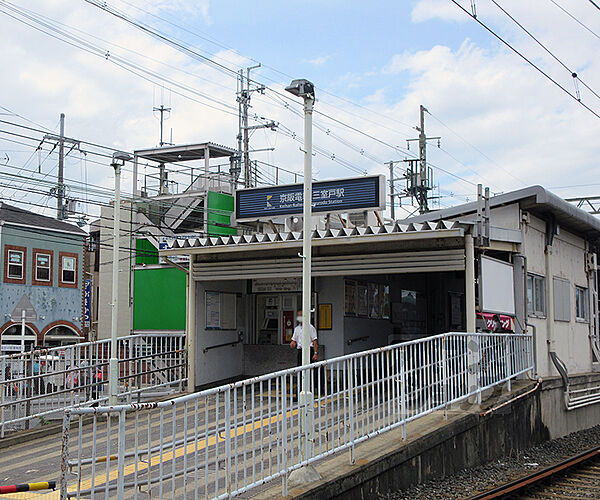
{"x":181,"y":46}
{"x":574,"y":75}
{"x":575,"y":19}
{"x":527,"y":60}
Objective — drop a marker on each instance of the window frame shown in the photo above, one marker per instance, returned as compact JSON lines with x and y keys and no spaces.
{"x":531,"y":309}
{"x":23,"y":251}
{"x":585,"y":295}
{"x":34,"y":267}
{"x":67,"y":284}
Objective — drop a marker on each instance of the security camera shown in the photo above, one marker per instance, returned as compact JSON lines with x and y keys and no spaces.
{"x":301,"y":88}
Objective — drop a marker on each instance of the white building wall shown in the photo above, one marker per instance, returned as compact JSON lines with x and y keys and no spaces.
{"x":106,"y":269}
{"x":568,"y":262}
{"x":331,"y":291}
{"x":224,"y":362}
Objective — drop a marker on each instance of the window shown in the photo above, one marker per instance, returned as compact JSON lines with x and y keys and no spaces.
{"x":42,"y":267}
{"x":562,"y":299}
{"x":14,"y":264}
{"x":536,"y":295}
{"x":68,"y":269}
{"x":581,"y":303}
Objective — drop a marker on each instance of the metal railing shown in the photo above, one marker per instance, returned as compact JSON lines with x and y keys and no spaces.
{"x":227,"y":440}
{"x":37,"y":386}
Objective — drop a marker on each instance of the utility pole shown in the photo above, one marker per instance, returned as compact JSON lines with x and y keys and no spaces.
{"x":60,"y":193}
{"x":392,"y":208}
{"x":244,"y":129}
{"x":245,"y":98}
{"x":420,"y":184}
{"x":59,"y":141}
{"x":162,"y":110}
{"x":162,"y":173}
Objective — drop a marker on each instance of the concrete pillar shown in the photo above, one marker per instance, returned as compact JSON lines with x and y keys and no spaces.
{"x":190,"y":328}
{"x":470,"y":283}
{"x":519,"y":276}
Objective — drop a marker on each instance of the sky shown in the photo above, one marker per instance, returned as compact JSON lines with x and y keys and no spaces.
{"x":373,"y":63}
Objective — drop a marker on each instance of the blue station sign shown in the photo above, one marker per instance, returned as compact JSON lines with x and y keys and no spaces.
{"x":343,"y":195}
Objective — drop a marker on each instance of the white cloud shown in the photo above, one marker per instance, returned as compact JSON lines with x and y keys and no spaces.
{"x":532,"y":131}
{"x":426,"y":10}
{"x":318,"y":61}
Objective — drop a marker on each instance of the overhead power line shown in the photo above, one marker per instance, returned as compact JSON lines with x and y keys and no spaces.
{"x":522,"y":56}
{"x":575,"y":19}
{"x":594,"y":4}
{"x":573,"y":73}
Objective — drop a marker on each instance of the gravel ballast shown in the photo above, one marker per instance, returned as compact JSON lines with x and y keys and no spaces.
{"x":484,"y":477}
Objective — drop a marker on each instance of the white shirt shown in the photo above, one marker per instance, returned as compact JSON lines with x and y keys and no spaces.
{"x":297,"y":336}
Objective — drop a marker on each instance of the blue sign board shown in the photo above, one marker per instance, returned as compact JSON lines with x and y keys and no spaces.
{"x":343,"y":195}
{"x":87,"y":304}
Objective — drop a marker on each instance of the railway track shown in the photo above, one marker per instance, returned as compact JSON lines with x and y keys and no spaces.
{"x":577,"y":477}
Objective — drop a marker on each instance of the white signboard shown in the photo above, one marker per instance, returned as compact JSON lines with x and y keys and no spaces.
{"x":221,"y":311}
{"x":274,"y":285}
{"x":213,"y":310}
{"x":10,"y":348}
{"x":497,"y":286}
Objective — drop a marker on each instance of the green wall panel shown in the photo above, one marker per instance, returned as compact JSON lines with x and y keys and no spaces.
{"x":146,"y":252}
{"x":220,"y":207}
{"x":159,"y":299}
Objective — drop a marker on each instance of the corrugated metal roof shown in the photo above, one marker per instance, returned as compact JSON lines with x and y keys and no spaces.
{"x":329,"y":234}
{"x":535,"y":199}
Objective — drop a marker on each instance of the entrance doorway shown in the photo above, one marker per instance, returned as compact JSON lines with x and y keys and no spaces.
{"x":61,"y":335}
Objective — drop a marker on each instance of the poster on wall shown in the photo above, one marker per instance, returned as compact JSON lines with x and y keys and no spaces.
{"x":362,"y":303}
{"x":221,"y":311}
{"x":325,"y":317}
{"x":374,"y":301}
{"x":213,"y":310}
{"x":350,"y":298}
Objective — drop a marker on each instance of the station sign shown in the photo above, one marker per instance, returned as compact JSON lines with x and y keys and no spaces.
{"x":337,"y":196}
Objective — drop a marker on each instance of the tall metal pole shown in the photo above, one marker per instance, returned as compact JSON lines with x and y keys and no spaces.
{"x":245,"y":105}
{"x":392,"y":207}
{"x":423,"y":162}
{"x":246,"y":143}
{"x":307,"y":396}
{"x":60,"y":209}
{"x":113,"y":381}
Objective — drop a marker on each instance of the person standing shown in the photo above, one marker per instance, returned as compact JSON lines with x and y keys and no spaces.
{"x":296,"y":342}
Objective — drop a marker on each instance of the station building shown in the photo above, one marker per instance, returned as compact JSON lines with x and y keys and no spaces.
{"x":523,"y":261}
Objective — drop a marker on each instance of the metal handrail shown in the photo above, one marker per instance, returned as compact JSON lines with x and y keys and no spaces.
{"x":226,"y":344}
{"x":232,"y":438}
